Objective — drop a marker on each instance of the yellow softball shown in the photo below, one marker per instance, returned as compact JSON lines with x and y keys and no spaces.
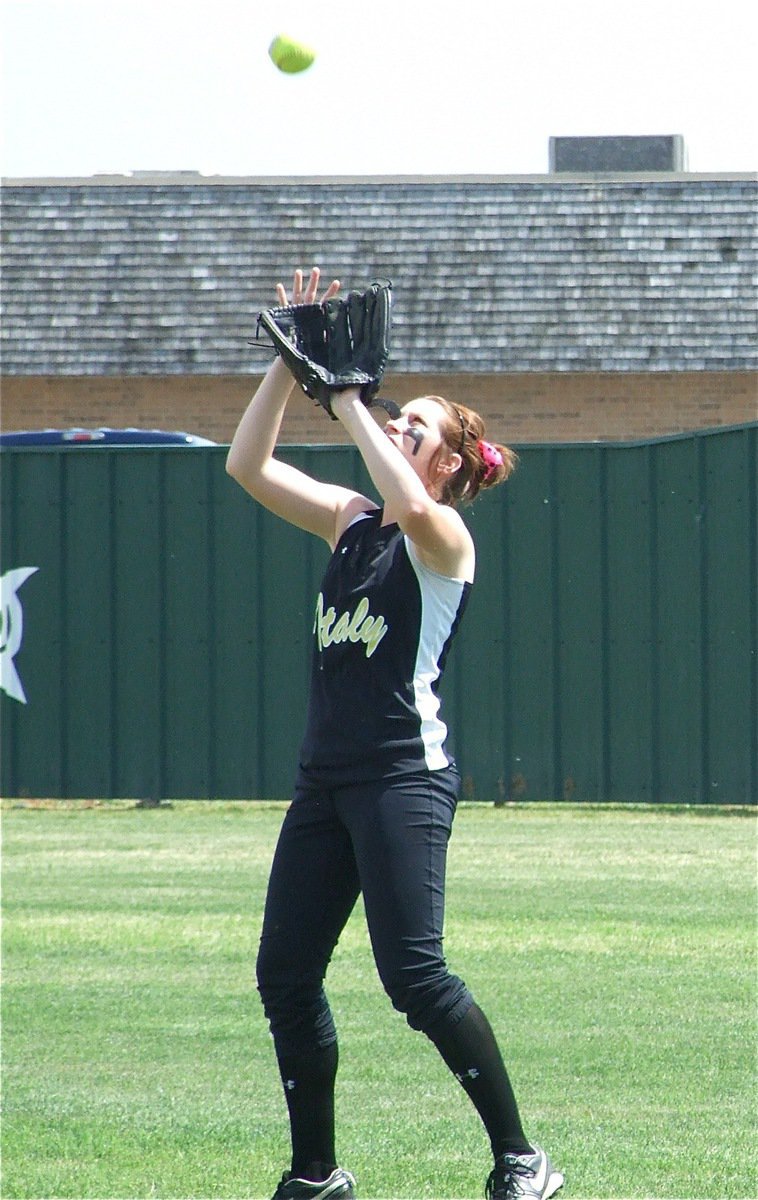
{"x":290,"y":56}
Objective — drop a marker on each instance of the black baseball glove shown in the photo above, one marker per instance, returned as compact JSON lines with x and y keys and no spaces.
{"x":341,"y":343}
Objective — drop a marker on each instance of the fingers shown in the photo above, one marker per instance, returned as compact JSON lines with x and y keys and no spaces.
{"x":306,"y":293}
{"x":311,"y":288}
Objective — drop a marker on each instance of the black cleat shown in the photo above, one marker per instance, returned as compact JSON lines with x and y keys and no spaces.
{"x":339,"y":1186}
{"x":523,"y":1177}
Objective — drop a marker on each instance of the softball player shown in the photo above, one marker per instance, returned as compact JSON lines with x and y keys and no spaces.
{"x":376,"y":789}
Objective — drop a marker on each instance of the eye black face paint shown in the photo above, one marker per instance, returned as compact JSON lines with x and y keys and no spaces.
{"x":417,"y":436}
{"x":393,"y":411}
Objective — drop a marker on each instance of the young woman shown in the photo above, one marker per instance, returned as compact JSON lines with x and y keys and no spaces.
{"x":376,"y":789}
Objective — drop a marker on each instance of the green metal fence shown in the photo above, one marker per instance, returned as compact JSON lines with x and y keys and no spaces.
{"x":159,"y":649}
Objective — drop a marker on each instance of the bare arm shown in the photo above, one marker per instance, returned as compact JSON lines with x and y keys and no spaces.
{"x":317,"y":507}
{"x":441,"y":538}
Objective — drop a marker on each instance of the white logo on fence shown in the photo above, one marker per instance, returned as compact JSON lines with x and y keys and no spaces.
{"x":12,"y":630}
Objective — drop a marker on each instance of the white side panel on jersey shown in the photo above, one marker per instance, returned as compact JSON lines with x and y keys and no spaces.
{"x":440,"y":602}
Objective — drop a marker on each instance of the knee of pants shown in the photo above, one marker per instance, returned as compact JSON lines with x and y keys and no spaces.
{"x":294,"y":1003}
{"x":426,"y":996}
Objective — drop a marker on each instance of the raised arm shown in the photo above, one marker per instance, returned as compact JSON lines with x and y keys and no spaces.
{"x":408,"y":482}
{"x":317,"y":507}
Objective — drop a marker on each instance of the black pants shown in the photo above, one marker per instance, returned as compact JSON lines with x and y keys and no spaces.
{"x":389,"y":841}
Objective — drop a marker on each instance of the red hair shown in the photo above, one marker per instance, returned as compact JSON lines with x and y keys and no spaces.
{"x":483,"y":464}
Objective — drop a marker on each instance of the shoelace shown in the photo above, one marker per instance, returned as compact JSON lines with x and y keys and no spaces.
{"x":503,"y":1174}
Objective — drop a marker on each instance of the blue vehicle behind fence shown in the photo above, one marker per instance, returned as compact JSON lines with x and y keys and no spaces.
{"x":101,"y":437}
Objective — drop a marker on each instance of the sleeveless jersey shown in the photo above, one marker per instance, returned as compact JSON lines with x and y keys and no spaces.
{"x":382,"y":630}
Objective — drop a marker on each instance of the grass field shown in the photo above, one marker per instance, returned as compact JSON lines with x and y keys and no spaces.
{"x":614,"y":951}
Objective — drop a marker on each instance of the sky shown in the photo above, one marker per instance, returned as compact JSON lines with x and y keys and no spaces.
{"x":399,"y":87}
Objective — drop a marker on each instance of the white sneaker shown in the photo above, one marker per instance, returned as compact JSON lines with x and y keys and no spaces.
{"x":523,"y":1177}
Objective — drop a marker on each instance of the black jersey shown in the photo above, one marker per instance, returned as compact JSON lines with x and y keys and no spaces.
{"x":382,"y":630}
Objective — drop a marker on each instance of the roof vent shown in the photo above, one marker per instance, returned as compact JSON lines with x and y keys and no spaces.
{"x":640,"y":154}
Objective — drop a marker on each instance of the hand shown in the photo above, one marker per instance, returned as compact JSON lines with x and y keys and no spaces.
{"x":308,"y":296}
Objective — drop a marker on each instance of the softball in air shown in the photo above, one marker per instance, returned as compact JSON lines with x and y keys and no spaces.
{"x":289,"y":56}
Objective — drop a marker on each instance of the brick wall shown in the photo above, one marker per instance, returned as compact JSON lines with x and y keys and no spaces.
{"x":518,"y":408}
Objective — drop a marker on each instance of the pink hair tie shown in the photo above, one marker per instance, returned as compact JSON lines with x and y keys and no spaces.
{"x":492,"y":457}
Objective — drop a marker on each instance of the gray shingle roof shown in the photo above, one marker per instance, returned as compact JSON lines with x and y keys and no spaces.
{"x":545,"y":273}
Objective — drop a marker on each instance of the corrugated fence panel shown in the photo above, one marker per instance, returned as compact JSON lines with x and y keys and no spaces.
{"x":87,"y":616}
{"x":160,"y":648}
{"x":136,"y":600}
{"x":677,"y":597}
{"x":237,"y":678}
{"x":528,"y":504}
{"x":630,"y":555}
{"x":32,"y":538}
{"x":727,"y":676}
{"x":580,"y":624}
{"x":188,"y":633}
